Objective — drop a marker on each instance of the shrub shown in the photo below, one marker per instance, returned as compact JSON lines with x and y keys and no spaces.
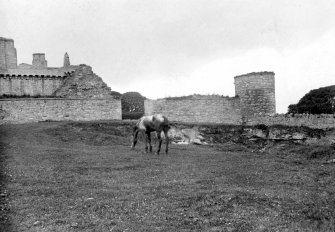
{"x":317,"y":101}
{"x":132,"y":102}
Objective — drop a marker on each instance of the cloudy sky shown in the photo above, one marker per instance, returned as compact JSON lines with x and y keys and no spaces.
{"x":164,"y":48}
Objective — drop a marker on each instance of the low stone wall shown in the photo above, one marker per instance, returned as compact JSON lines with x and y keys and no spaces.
{"x":216,"y":110}
{"x":322,"y":121}
{"x":43,"y":109}
{"x":225,"y":110}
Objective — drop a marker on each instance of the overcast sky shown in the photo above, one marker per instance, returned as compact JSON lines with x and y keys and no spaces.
{"x":164,"y":48}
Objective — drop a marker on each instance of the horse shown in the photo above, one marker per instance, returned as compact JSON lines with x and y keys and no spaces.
{"x":148,"y":124}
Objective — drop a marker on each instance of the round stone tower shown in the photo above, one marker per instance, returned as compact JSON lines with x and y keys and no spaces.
{"x":257,"y":93}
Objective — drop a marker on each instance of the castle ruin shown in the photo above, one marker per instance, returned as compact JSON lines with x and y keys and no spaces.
{"x":35,"y":92}
{"x":255,"y":96}
{"x":36,"y":79}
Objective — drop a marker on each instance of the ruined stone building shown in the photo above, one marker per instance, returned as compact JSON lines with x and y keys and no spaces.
{"x":37,"y":79}
{"x":35,"y":92}
{"x":254,"y":96}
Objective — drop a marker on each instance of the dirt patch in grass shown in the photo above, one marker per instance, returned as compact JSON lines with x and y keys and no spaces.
{"x":95,"y":134}
{"x":84,"y":177}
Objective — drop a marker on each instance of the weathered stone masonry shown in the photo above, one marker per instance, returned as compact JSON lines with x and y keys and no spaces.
{"x":7,"y":54}
{"x":256,"y":92}
{"x":18,"y":84}
{"x":58,"y":109}
{"x":202,"y":110}
{"x":323,"y":121}
{"x":36,"y":79}
{"x":71,"y":92}
{"x":253,"y":104}
{"x":255,"y":95}
{"x":74,"y":92}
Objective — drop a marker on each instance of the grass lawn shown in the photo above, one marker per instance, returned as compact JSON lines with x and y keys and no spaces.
{"x":84,"y":177}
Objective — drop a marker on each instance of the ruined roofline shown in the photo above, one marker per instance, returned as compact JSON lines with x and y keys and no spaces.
{"x":72,"y":67}
{"x":30,"y":66}
{"x":255,"y":73}
{"x":6,"y":39}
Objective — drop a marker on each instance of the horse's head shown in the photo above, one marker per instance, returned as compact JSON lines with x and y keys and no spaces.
{"x":135,"y":128}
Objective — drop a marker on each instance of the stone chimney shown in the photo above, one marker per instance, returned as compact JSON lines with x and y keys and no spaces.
{"x":39,"y":60}
{"x":66,"y":60}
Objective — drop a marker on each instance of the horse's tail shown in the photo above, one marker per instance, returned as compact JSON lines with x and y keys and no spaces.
{"x":135,"y":130}
{"x":134,"y":136}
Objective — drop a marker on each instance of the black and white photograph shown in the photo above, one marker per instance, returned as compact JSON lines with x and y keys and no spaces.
{"x":167,"y":115}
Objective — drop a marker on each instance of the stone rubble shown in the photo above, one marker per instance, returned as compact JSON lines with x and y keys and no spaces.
{"x":84,"y":83}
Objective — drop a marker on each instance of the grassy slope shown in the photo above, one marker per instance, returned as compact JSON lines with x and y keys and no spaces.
{"x":83,"y":177}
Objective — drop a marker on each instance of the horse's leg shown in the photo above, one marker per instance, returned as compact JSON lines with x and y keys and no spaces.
{"x":159,"y":142}
{"x":149,"y":139}
{"x":166,"y":140}
{"x":135,"y":133}
{"x":148,"y":142}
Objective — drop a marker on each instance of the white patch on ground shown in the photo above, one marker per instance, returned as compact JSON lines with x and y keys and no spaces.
{"x":186,"y":136}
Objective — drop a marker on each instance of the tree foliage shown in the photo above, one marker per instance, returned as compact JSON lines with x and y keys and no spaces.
{"x":116,"y":94}
{"x":317,"y":101}
{"x":132,"y":102}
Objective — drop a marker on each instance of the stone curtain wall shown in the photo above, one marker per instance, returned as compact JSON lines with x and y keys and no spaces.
{"x":255,"y":95}
{"x":322,"y":121}
{"x":217,"y":110}
{"x":227,"y":111}
{"x":42,"y":109}
{"x":29,"y":85}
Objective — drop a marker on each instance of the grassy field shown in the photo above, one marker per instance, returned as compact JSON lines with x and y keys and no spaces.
{"x":84,"y":177}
